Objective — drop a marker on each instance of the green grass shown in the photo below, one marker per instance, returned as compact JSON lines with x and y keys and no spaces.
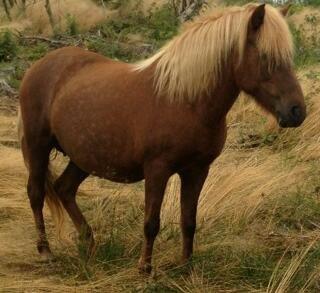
{"x":111,"y":39}
{"x":155,"y":29}
{"x":234,"y":256}
{"x":314,"y":3}
{"x":72,"y":25}
{"x":8,"y":46}
{"x":307,"y":41}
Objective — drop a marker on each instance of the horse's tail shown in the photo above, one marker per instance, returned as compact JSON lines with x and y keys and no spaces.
{"x":51,"y":196}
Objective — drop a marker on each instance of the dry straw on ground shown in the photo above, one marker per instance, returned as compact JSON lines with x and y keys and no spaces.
{"x":241,"y":181}
{"x":85,"y":13}
{"x":238,"y":212}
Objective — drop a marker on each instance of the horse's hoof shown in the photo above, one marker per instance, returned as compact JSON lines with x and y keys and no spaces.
{"x":185,"y":261}
{"x":47,"y":256}
{"x":145,"y":268}
{"x":45,"y":252}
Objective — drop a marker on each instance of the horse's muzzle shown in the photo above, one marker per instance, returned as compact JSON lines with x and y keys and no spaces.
{"x":293,"y":118}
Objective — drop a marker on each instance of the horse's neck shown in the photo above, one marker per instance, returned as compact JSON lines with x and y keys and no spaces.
{"x":216,"y":104}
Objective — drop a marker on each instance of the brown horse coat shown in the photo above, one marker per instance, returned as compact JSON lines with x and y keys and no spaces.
{"x":131,"y":122}
{"x":116,"y":129}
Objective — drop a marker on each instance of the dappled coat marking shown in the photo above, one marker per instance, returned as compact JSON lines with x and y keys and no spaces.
{"x":150,"y":120}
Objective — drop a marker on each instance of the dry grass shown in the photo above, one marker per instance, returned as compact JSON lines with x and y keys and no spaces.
{"x":258,"y":219}
{"x":238,"y":214}
{"x":85,"y":13}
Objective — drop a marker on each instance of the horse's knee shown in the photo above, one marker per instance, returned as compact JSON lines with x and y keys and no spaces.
{"x":36,"y":196}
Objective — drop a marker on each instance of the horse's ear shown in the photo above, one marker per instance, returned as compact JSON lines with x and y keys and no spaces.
{"x":285,"y":9}
{"x":257,"y":17}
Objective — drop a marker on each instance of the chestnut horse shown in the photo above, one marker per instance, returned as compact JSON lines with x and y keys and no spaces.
{"x":165,"y":115}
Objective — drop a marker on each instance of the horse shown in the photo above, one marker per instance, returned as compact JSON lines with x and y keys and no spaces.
{"x":161,"y":116}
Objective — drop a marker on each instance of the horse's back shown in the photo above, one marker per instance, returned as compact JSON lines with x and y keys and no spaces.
{"x":44,"y":78}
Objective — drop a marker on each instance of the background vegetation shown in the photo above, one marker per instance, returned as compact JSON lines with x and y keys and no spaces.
{"x":259,"y":213}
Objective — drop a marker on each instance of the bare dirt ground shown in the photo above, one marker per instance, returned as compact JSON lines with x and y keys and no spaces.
{"x":17,"y":259}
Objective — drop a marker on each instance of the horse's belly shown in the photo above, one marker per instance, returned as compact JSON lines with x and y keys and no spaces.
{"x":114,"y":164}
{"x":104,"y":154}
{"x":115,"y":169}
{"x":98,"y":141}
{"x":121,"y":175}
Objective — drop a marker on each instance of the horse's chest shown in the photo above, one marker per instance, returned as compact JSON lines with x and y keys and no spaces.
{"x":209,"y":144}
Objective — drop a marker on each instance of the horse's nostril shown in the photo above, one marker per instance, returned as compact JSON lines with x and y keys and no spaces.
{"x":296,"y":112}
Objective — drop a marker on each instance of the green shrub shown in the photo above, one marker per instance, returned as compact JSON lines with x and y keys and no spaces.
{"x":36,"y":51}
{"x":312,"y":2}
{"x":113,"y":37}
{"x":8,"y":46}
{"x":163,"y":24}
{"x":307,"y":41}
{"x":72,"y":25}
{"x":106,"y":48}
{"x":156,"y":28}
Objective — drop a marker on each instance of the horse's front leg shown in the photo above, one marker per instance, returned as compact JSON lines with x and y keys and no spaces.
{"x":192,"y":181}
{"x":156,"y":178}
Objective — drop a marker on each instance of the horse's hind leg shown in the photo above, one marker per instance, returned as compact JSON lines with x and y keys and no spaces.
{"x":38,"y":159}
{"x":66,"y":187}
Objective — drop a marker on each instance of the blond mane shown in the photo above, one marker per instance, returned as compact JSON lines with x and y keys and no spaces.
{"x":191,"y":63}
